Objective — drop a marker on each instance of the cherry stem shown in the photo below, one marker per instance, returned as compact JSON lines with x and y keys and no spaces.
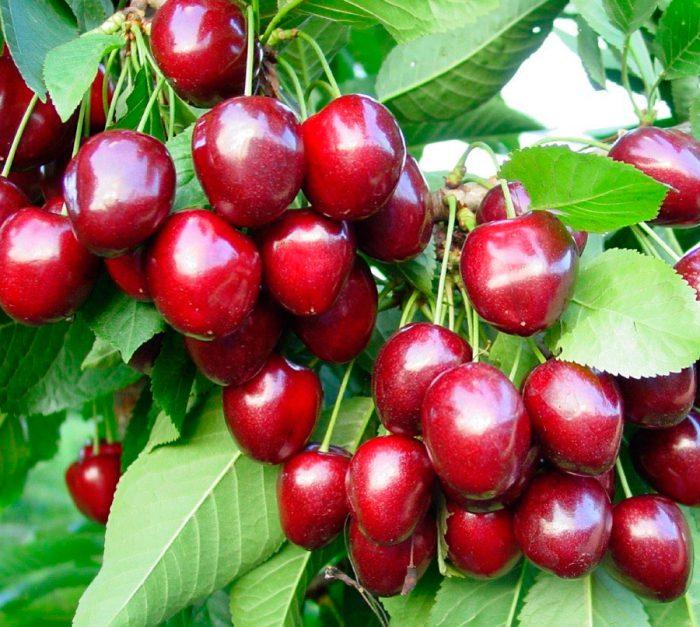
{"x":644,"y":242}
{"x":516,"y":595}
{"x":107,"y":75}
{"x":96,"y":436}
{"x":18,"y":135}
{"x":573,"y":140}
{"x":536,"y":349}
{"x":171,"y":112}
{"x":516,"y":362}
{"x":79,"y":127}
{"x":409,"y":308}
{"x":626,"y":80}
{"x":322,"y":58}
{"x":467,"y":311}
{"x":510,"y":209}
{"x":480,"y":180}
{"x":336,"y":408}
{"x":450,"y":306}
{"x":279,"y":16}
{"x":331,"y":572}
{"x":250,"y":27}
{"x":658,"y":241}
{"x":298,"y":90}
{"x":475,"y":331}
{"x":319,"y":84}
{"x":117,"y":92}
{"x":150,"y":103}
{"x":452,"y":204}
{"x":623,"y":478}
{"x":673,"y":240}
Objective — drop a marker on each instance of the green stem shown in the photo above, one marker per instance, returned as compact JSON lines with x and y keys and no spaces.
{"x":574,"y":140}
{"x":171,"y":112}
{"x":659,"y":242}
{"x":467,"y":311}
{"x":516,"y":362}
{"x":625,"y":78}
{"x":79,"y":126}
{"x":452,"y":204}
{"x":450,"y":307}
{"x":281,"y":14}
{"x":250,"y":26}
{"x":510,"y":209}
{"x":336,"y":408}
{"x":298,"y":90}
{"x":409,"y":308}
{"x":475,"y":330}
{"x":473,"y":178}
{"x":623,"y":478}
{"x":318,"y":84}
{"x":18,"y":135}
{"x":674,"y":242}
{"x":322,"y":58}
{"x":150,"y":103}
{"x":107,"y":76}
{"x":95,"y":435}
{"x":117,"y":92}
{"x":516,"y":595}
{"x":536,"y":349}
{"x":644,"y":242}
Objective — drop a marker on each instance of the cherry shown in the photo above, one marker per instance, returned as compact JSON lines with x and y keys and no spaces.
{"x":92,"y":480}
{"x":389,"y":484}
{"x":311,"y":496}
{"x":607,"y":480}
{"x":98,"y":115}
{"x":383,"y":569}
{"x":272,"y":416}
{"x":689,"y":268}
{"x":46,"y":273}
{"x":12,"y":198}
{"x":563,"y":523}
{"x":129,"y":273}
{"x":307,"y":259}
{"x":236,"y":358}
{"x":658,"y":402}
{"x":54,"y":204}
{"x":576,"y":414}
{"x":203,"y":275}
{"x":405,"y":367}
{"x":671,"y":157}
{"x":354,"y":153}
{"x":249,"y":158}
{"x":519,"y":273}
{"x":476,"y":430}
{"x":344,"y":330}
{"x":651,"y":548}
{"x":401,"y":229}
{"x":481,"y":545}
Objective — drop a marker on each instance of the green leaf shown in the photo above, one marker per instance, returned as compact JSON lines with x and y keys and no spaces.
{"x":421,"y":271}
{"x":695,"y":116}
{"x":15,"y":456}
{"x":414,"y":609}
{"x":386,"y":325}
{"x":631,"y":315}
{"x":504,"y":352}
{"x":212,"y":612}
{"x":353,"y":420}
{"x":136,"y":103}
{"x":440,"y":76}
{"x":591,"y":55}
{"x":629,"y":15}
{"x":683,"y":93}
{"x":139,"y":428}
{"x":101,"y":355}
{"x":189,"y":192}
{"x":186,"y":520}
{"x":588,"y":192}
{"x":91,"y":13}
{"x":678,"y":38}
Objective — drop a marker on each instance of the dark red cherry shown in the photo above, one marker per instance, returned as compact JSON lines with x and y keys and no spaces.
{"x":607,"y":480}
{"x":389,"y":484}
{"x":576,"y":415}
{"x":29,"y":182}
{"x":92,"y":480}
{"x":406,"y":366}
{"x":658,"y":402}
{"x":382,"y":569}
{"x":129,"y":273}
{"x":651,"y":547}
{"x":54,"y":204}
{"x":689,"y":268}
{"x":203,"y":275}
{"x":671,"y":157}
{"x":119,"y":190}
{"x":481,"y":545}
{"x":249,"y":158}
{"x":354,"y":153}
{"x":12,"y":198}
{"x":238,"y":357}
{"x":563,"y":523}
{"x":519,"y":273}
{"x":98,"y":115}
{"x":476,"y":430}
{"x":401,"y":229}
{"x":311,"y":496}
{"x":307,"y":259}
{"x":46,"y":272}
{"x":272,"y":415}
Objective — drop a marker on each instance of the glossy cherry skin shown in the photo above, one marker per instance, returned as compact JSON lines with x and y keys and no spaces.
{"x":236,"y":358}
{"x":389,"y":483}
{"x":98,"y":115}
{"x":249,"y":158}
{"x":520,"y":273}
{"x":272,"y":416}
{"x":54,"y":204}
{"x":203,"y":275}
{"x":46,"y":272}
{"x":563,"y":522}
{"x":607,"y":480}
{"x":306,"y":258}
{"x":576,"y":414}
{"x":651,"y":547}
{"x":354,"y":152}
{"x":659,"y":402}
{"x":689,"y":268}
{"x":311,"y":496}
{"x":200,"y":45}
{"x":12,"y":198}
{"x":406,"y":365}
{"x":476,"y":430}
{"x":382,"y":569}
{"x":129,"y":273}
{"x":401,"y":229}
{"x":671,"y":157}
{"x":119,"y":190}
{"x":92,"y":480}
{"x":481,"y":545}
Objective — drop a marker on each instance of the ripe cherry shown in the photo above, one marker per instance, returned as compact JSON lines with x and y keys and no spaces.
{"x":354,"y":153}
{"x":203,"y":275}
{"x":476,"y":430}
{"x":54,"y":204}
{"x":607,"y":480}
{"x":272,"y":415}
{"x":389,"y":484}
{"x":406,"y":366}
{"x":651,"y":548}
{"x":689,"y":268}
{"x":12,"y":198}
{"x":563,"y":523}
{"x":119,"y":189}
{"x":519,"y":273}
{"x":311,"y":496}
{"x":46,"y":272}
{"x":307,"y":259}
{"x":98,"y":115}
{"x":129,"y":273}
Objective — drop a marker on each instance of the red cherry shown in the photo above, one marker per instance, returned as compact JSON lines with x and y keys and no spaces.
{"x":651,"y":547}
{"x":46,"y":273}
{"x":98,"y":115}
{"x":236,"y":358}
{"x":129,"y":273}
{"x":563,"y":523}
{"x":12,"y":198}
{"x":406,"y":365}
{"x":203,"y":275}
{"x":354,"y":153}
{"x":29,"y":183}
{"x":607,"y":480}
{"x":54,"y":204}
{"x":671,"y":157}
{"x":311,"y":496}
{"x":401,"y":229}
{"x":383,"y":569}
{"x":689,"y":268}
{"x":249,"y":158}
{"x":519,"y":273}
{"x":119,"y":189}
{"x":272,"y":415}
{"x":307,"y":259}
